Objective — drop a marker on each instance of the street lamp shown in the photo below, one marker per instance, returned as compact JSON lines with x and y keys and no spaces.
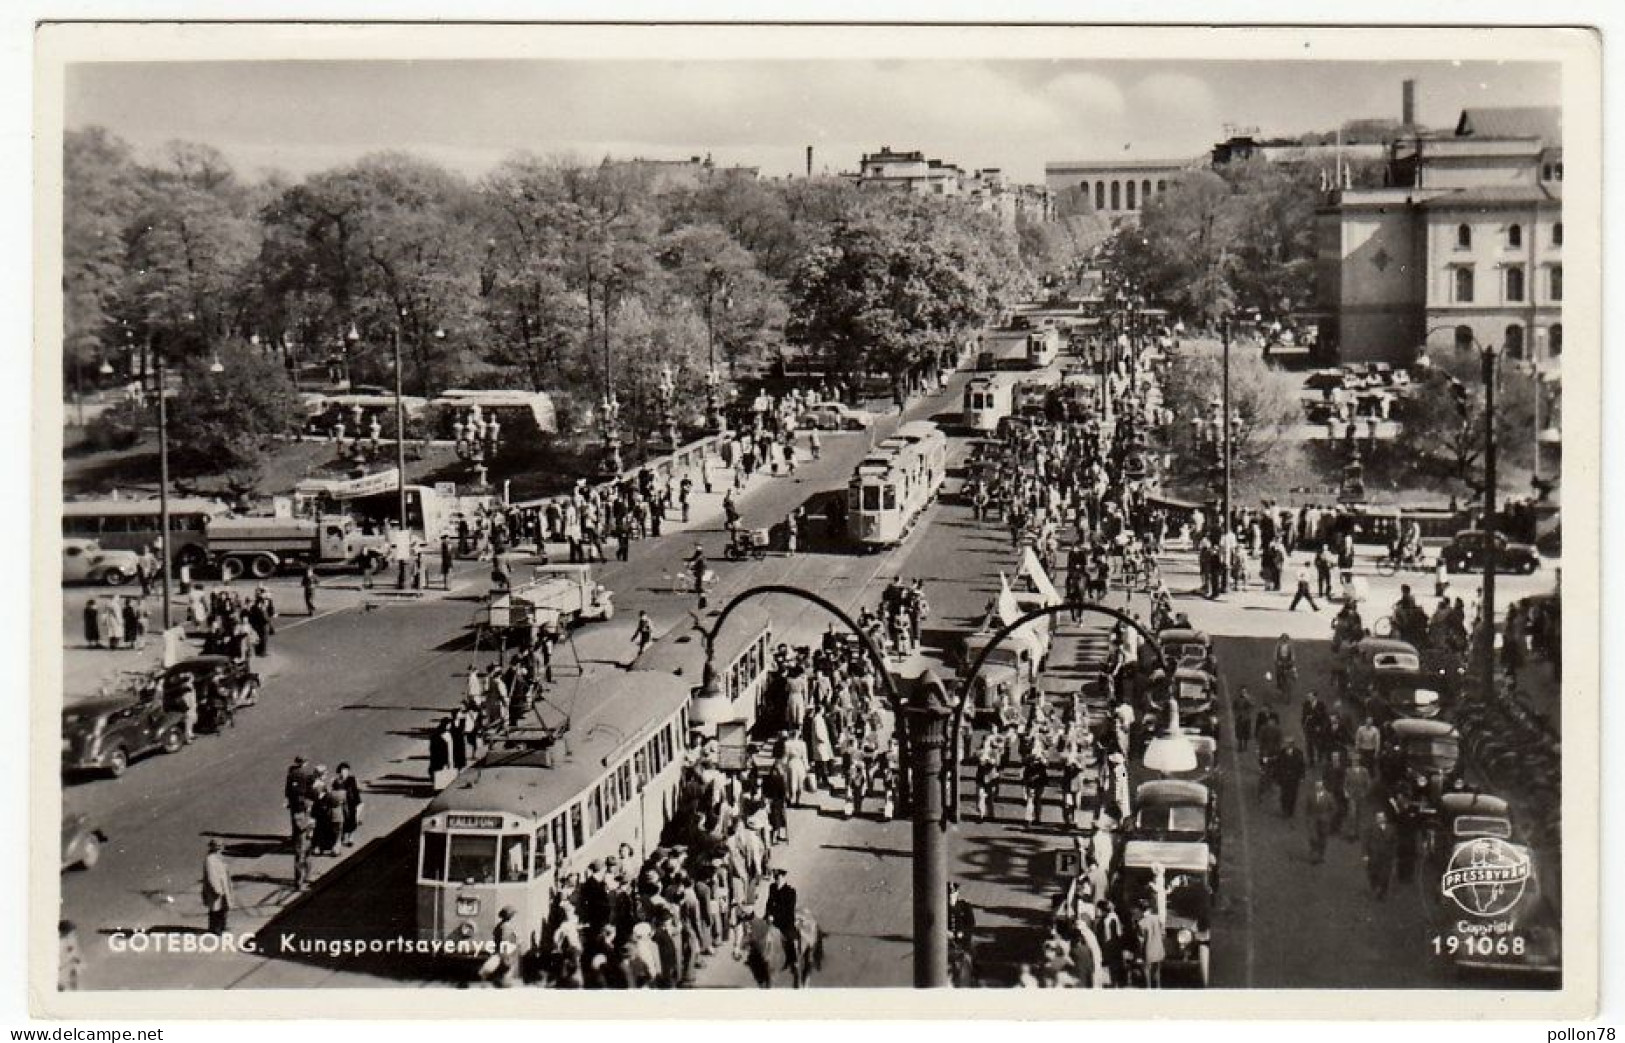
{"x":1225,"y":435}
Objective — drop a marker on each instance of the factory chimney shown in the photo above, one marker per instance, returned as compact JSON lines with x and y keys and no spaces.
{"x":1407,"y":103}
{"x":809,"y":160}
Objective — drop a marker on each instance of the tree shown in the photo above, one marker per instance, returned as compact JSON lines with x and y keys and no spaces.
{"x":1441,"y":420}
{"x":1273,"y":217}
{"x":100,"y":194}
{"x":1263,"y":397}
{"x":228,"y":421}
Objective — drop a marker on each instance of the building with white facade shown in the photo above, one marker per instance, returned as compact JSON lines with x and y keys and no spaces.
{"x":1115,"y":188}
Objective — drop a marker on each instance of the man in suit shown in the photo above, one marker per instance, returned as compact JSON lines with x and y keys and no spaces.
{"x":217,"y":895}
{"x":781,"y":910}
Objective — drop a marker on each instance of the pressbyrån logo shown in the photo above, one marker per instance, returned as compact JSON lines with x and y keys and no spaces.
{"x":1486,"y":877}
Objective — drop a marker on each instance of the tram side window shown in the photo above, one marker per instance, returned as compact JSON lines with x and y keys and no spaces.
{"x":434,"y":857}
{"x":640,"y":764}
{"x":871,"y":497}
{"x":891,"y":498}
{"x":578,"y":833}
{"x":85,"y":526}
{"x":625,"y":775}
{"x":559,"y":829}
{"x":595,"y":809}
{"x":515,"y":862}
{"x":473,"y":858}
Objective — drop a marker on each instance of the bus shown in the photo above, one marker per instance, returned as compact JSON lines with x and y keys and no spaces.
{"x":119,"y":524}
{"x":535,"y":810}
{"x":891,"y":488}
{"x":987,"y":401}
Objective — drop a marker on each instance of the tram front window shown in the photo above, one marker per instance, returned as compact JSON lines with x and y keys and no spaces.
{"x":434,"y":856}
{"x":871,"y":497}
{"x":515,"y":862}
{"x":473,"y":858}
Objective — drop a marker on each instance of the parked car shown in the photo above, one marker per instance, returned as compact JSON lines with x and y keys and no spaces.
{"x":107,"y":732}
{"x":1466,"y":550}
{"x":84,"y":561}
{"x":1184,"y":646}
{"x":1182,"y":872}
{"x":223,"y":685}
{"x":1173,"y":809}
{"x":1423,"y":760}
{"x":81,"y":842}
{"x":835,"y":416}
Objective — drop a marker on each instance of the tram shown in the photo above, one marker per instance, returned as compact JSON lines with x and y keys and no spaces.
{"x":987,"y":401}
{"x":545,"y":802}
{"x":894,"y":484}
{"x":1043,"y":347}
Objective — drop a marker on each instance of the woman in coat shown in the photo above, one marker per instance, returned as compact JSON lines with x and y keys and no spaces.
{"x":349,"y":788}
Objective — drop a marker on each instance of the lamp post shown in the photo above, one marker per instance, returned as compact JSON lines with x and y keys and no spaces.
{"x":157,"y":354}
{"x":1490,"y":551}
{"x":1226,"y":423}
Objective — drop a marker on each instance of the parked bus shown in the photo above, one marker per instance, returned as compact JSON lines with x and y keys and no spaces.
{"x":987,"y":401}
{"x":893,"y":486}
{"x":540,"y":807}
{"x":134,"y":524}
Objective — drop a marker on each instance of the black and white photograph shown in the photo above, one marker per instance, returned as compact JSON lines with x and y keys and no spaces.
{"x":851,"y":508}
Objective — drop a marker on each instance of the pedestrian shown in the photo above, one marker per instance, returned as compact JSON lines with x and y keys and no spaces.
{"x":1323,"y":571}
{"x":1303,"y":591}
{"x":349,"y":788}
{"x":188,"y":703}
{"x":304,"y":826}
{"x":1381,"y":844}
{"x":217,"y":891}
{"x":1290,"y":768}
{"x":93,"y":629}
{"x":1322,"y":814}
{"x":501,"y":968}
{"x":446,"y":561}
{"x":307,"y":583}
{"x":641,"y":636}
{"x":1149,"y":932}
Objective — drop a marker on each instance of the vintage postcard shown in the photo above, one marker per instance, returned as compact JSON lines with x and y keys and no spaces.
{"x":532,"y":515}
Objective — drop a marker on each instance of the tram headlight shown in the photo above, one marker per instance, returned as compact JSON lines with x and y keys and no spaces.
{"x":1185,"y":937}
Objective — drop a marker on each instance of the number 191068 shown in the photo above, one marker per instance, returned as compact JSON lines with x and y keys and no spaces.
{"x":1478,"y":945}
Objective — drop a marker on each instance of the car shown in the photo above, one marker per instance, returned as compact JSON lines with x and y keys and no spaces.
{"x":1422,"y":760}
{"x":1185,"y":646}
{"x":84,"y":561}
{"x":1467,"y":548}
{"x":1396,"y":692}
{"x":1463,"y":815}
{"x":1360,"y":660}
{"x":211,"y":674}
{"x":81,"y":842}
{"x":106,"y":732}
{"x":835,"y":416}
{"x":1175,"y":876}
{"x":1174,"y":809}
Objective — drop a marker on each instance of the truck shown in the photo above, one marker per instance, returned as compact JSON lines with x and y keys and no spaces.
{"x":557,"y":597}
{"x":263,"y":546}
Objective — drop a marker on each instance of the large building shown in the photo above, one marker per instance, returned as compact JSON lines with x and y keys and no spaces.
{"x":1116,"y":188}
{"x":669,"y":174}
{"x":1468,"y":251}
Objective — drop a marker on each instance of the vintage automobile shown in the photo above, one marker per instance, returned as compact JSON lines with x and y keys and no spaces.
{"x":558,"y":596}
{"x":1186,"y":646}
{"x":1176,"y":809}
{"x":1021,"y":652}
{"x":107,"y":732}
{"x":1173,"y":878}
{"x":81,"y":842}
{"x":1422,"y":760}
{"x":1358,"y":661}
{"x":84,"y":561}
{"x":834,"y":416}
{"x":1466,"y":553}
{"x":223,"y":685}
{"x":1463,"y":815}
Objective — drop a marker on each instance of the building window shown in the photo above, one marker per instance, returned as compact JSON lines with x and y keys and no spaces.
{"x":1557,"y":234}
{"x":1545,"y":171}
{"x":1464,"y":237}
{"x":1464,"y":338}
{"x":1514,"y":282}
{"x":1554,"y":341}
{"x":1464,"y":285}
{"x":1162,"y":186}
{"x":1555,"y":283}
{"x":1514,"y":236}
{"x":1513,"y":346}
{"x":1131,"y":195}
{"x":1117,"y":196}
{"x":1100,"y":195}
{"x":1145,"y":191}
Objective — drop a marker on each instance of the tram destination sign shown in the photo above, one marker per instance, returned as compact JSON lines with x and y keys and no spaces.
{"x":473,"y":821}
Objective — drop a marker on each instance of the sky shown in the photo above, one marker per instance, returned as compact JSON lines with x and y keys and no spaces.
{"x":302,"y":116}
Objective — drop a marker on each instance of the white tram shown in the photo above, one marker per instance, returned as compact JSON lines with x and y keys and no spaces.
{"x":894,"y":485}
{"x":532,"y":811}
{"x":1043,"y":347}
{"x":987,"y":401}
